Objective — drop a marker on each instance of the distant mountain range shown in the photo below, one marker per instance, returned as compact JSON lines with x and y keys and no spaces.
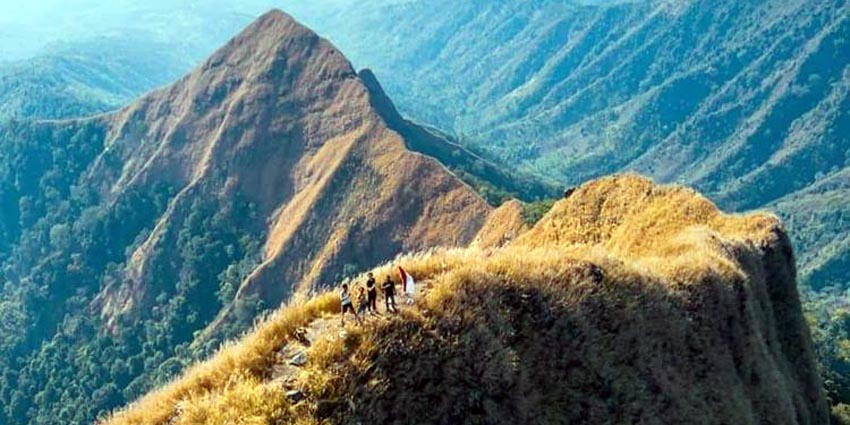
{"x":74,"y":80}
{"x":749,"y":102}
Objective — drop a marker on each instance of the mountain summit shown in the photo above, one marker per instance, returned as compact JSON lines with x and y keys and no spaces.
{"x":134,"y":243}
{"x":279,"y":119}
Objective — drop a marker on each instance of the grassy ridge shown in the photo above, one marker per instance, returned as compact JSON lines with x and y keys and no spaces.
{"x":567,"y":323}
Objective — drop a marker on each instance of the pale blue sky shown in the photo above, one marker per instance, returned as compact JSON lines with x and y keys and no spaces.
{"x":26,"y":27}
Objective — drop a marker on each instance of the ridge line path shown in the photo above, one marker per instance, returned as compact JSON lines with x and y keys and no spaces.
{"x":290,"y":359}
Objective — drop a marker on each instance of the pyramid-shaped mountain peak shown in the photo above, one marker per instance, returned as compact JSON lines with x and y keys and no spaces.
{"x":277,"y":119}
{"x":275,"y":41}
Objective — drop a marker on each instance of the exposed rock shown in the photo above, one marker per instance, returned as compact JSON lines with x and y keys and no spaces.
{"x":299,"y":359}
{"x":301,"y":336}
{"x":294,"y":396}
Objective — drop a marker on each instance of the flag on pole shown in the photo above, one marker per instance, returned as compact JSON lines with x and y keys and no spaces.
{"x":406,"y":282}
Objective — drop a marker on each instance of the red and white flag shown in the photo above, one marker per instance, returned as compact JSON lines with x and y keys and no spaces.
{"x":406,"y":281}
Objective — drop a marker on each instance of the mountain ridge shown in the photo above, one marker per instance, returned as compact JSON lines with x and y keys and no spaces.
{"x":148,"y":236}
{"x":561,"y":295}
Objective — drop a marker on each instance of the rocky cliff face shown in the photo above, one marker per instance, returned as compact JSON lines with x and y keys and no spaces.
{"x":628,"y":303}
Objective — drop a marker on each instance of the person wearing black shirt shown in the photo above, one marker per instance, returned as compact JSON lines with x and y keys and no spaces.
{"x":371,"y":294}
{"x":389,"y":294}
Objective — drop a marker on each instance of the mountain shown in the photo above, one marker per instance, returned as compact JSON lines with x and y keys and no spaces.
{"x":748,"y":102}
{"x":674,"y":89}
{"x":134,"y":242}
{"x":627,"y":303}
{"x":86,"y":78}
{"x":190,"y":30}
{"x":497,"y":183}
{"x":145,"y":237}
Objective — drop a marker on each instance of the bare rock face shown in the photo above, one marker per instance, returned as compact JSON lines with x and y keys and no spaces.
{"x":278,"y":119}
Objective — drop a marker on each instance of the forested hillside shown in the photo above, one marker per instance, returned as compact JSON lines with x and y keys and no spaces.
{"x":749,"y":102}
{"x":86,"y":78}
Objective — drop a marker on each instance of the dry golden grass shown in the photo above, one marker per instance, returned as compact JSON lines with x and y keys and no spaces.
{"x":503,"y":225}
{"x":243,"y":400}
{"x":299,"y":139}
{"x":670,"y":231}
{"x":235,"y":368}
{"x":525,"y":335}
{"x":628,"y":303}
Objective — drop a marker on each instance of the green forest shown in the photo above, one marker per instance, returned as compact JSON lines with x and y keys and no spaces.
{"x":62,"y":244}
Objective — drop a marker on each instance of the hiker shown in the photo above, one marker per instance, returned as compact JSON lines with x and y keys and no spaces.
{"x":345,"y":300}
{"x":372,"y":294}
{"x":361,"y":301}
{"x":389,"y":295}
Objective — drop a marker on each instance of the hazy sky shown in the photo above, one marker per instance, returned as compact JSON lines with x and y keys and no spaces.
{"x":26,"y":27}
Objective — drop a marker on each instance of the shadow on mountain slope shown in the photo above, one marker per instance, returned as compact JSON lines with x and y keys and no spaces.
{"x":627,"y":303}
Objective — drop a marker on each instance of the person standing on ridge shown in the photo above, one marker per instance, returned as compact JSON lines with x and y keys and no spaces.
{"x":389,"y":295}
{"x":345,"y":301}
{"x":372,"y":293}
{"x":361,"y":301}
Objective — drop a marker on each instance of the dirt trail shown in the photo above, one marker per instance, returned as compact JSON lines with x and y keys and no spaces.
{"x":296,"y":353}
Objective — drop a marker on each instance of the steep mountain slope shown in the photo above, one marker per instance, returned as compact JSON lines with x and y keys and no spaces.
{"x":681,"y":91}
{"x":335,"y":184}
{"x":497,"y":183}
{"x":627,"y":303}
{"x":81,"y":79}
{"x":172,"y":222}
{"x":746,"y":101}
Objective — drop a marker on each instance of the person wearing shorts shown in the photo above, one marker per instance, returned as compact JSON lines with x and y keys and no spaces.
{"x":362,"y":305}
{"x":345,"y":301}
